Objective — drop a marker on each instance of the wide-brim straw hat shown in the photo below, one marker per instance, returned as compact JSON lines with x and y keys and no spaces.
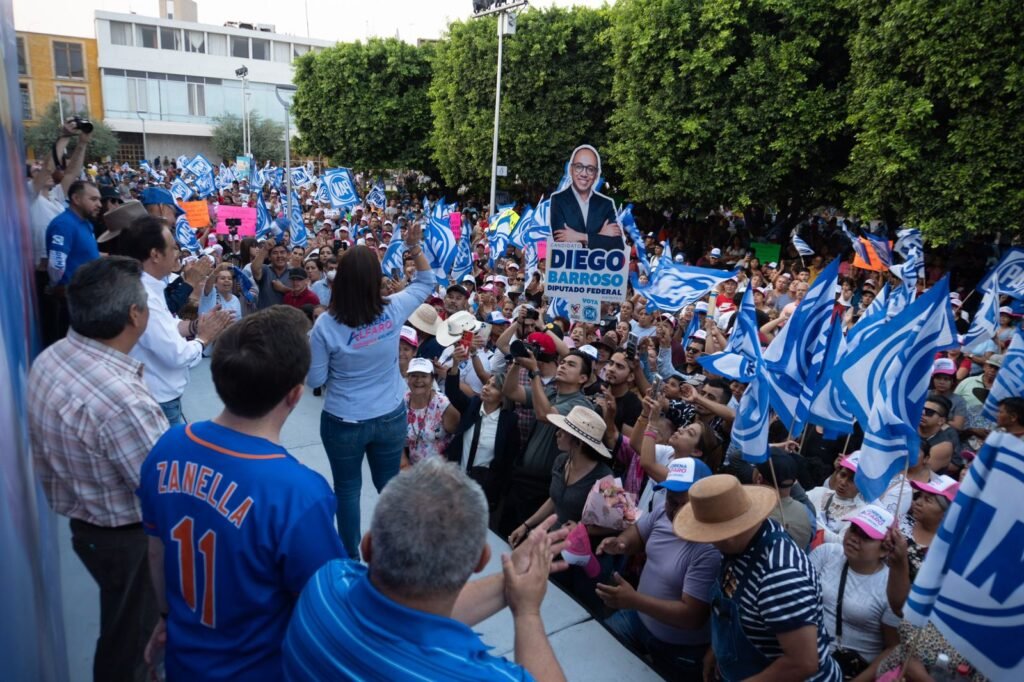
{"x":720,"y":508}
{"x":120,"y":218}
{"x":425,"y":319}
{"x":585,"y":424}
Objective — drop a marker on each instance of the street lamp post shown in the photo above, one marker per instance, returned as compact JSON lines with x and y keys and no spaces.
{"x":482,"y":8}
{"x":284,"y":94}
{"x":243,"y":73}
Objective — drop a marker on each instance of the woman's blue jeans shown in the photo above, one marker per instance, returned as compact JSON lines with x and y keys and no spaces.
{"x":382,"y":439}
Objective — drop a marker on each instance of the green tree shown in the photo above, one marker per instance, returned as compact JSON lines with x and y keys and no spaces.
{"x":266,"y":137}
{"x":364,"y":105}
{"x":556,"y":94}
{"x":937,"y":104}
{"x":726,"y":102}
{"x":41,"y":136}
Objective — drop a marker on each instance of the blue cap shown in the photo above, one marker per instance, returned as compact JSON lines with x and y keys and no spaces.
{"x":159,"y":195}
{"x":683,"y":473}
{"x":495,"y":317}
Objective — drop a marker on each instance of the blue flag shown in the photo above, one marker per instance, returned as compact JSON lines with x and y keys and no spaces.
{"x":199,"y":166}
{"x":696,"y":324}
{"x":1009,"y":381}
{"x":557,"y":307}
{"x":741,"y":361}
{"x":205,"y":185}
{"x":255,"y":175}
{"x":249,"y":289}
{"x":826,"y":407}
{"x":393,"y":256}
{"x":301,"y":177}
{"x":856,"y":243}
{"x":186,"y":236}
{"x":377,"y":198}
{"x":986,"y":320}
{"x":322,"y":196}
{"x":1008,"y":275}
{"x":802,"y":247}
{"x":526,"y":222}
{"x":500,"y":234}
{"x":794,"y":356}
{"x":144,"y":165}
{"x":439,"y":241}
{"x":181,"y":162}
{"x":884,"y":382}
{"x":628,"y":224}
{"x":463,"y":263}
{"x":341,"y":188}
{"x":537,"y":228}
{"x":969,"y":585}
{"x":264,"y":221}
{"x":180,"y":191}
{"x":296,"y":225}
{"x":673,"y":287}
{"x":881,"y":247}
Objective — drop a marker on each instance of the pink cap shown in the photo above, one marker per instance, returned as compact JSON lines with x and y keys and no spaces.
{"x":944,"y":366}
{"x":408,"y":334}
{"x":873,"y":520}
{"x":941,"y":485}
{"x":851,"y":462}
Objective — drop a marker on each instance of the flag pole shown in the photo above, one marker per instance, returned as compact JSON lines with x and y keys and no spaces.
{"x":847,"y":443}
{"x":778,"y":494}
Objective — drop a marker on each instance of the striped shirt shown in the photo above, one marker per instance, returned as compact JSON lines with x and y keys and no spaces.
{"x":343,"y":628}
{"x":781,"y":594}
{"x":92,"y":422}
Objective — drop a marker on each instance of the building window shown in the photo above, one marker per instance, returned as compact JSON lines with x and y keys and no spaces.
{"x":282,"y":52}
{"x":73,"y":100}
{"x":138,"y":99}
{"x":22,"y":58}
{"x":261,"y":49}
{"x":239,"y":47}
{"x":145,"y":36}
{"x":196,"y":99}
{"x":169,"y":6}
{"x":120,"y":33}
{"x":218,"y":44}
{"x":170,"y":38}
{"x":299,"y":50}
{"x":196,"y":42}
{"x":67,"y":60}
{"x":26,"y":102}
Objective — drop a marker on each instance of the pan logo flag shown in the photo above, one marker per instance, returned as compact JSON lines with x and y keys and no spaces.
{"x":340,"y":188}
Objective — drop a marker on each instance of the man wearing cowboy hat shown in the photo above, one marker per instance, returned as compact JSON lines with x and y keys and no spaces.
{"x":766,"y":611}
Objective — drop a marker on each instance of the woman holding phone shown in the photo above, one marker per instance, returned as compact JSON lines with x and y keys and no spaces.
{"x":355,"y":354}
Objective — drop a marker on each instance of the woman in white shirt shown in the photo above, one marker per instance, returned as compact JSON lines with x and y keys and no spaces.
{"x":220,"y":290}
{"x":833,"y":506}
{"x":853,"y":577}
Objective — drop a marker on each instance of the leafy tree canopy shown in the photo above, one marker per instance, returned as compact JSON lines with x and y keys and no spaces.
{"x":41,"y":136}
{"x":266,"y":137}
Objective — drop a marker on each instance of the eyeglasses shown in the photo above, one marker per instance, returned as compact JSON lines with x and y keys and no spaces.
{"x":929,"y":412}
{"x":694,"y":350}
{"x":580,"y":168}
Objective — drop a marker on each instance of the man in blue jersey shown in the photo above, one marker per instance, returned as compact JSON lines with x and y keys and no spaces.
{"x":238,"y":525}
{"x":408,"y":615}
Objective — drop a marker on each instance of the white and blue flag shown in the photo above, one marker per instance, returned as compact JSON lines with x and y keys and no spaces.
{"x":500,"y":234}
{"x":672,"y":287}
{"x":256,"y":178}
{"x":264,"y":221}
{"x":393,"y":256}
{"x":881,"y":247}
{"x":376,"y":196}
{"x":1007,"y":275}
{"x":696,"y":324}
{"x":628,"y":224}
{"x":296,"y":225}
{"x":463,"y":263}
{"x":205,"y":185}
{"x":144,"y":165}
{"x":855,"y":243}
{"x":341,"y":188}
{"x":884,"y":383}
{"x":741,"y":361}
{"x":908,"y":243}
{"x":439,"y":241}
{"x":186,"y":236}
{"x":249,"y":288}
{"x":1009,"y":382}
{"x":826,"y":407}
{"x":986,"y":320}
{"x":199,"y":166}
{"x":795,"y":355}
{"x":538,"y":229}
{"x":276,"y":177}
{"x":181,"y":162}
{"x":526,"y":222}
{"x":180,"y":191}
{"x":969,"y":585}
{"x":322,"y":196}
{"x":802,"y":247}
{"x":557,"y":307}
{"x":301,"y":176}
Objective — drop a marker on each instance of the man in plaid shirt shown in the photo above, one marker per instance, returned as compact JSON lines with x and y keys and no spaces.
{"x":92,"y":422}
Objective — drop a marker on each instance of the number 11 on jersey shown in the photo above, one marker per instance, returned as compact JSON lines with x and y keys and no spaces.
{"x":182,"y":534}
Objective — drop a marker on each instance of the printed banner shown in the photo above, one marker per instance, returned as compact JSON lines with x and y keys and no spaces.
{"x":197,"y":212}
{"x":575,"y":272}
{"x":241,"y":166}
{"x":245,"y":214}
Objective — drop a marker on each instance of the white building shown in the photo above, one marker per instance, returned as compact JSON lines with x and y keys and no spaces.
{"x":169,"y":79}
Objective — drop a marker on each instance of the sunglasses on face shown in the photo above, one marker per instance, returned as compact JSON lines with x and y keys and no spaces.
{"x":929,"y":412}
{"x":694,"y":350}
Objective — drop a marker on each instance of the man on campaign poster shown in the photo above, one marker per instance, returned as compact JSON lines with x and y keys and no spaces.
{"x":581,"y":214}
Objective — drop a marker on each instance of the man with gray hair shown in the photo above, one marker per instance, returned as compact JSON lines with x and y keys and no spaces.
{"x":408,"y":614}
{"x":92,"y":421}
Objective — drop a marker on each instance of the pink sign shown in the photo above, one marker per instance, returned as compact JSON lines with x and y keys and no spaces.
{"x":247,"y":216}
{"x":542,"y":249}
{"x":455,"y":222}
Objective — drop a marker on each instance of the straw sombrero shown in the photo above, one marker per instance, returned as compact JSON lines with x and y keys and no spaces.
{"x":720,"y":508}
{"x":425,"y":319}
{"x":585,"y":424}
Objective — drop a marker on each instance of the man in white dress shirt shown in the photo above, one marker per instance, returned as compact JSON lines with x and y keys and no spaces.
{"x":163,"y":349}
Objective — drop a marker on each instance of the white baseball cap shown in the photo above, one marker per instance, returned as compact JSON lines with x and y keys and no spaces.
{"x":683,"y":473}
{"x":420,"y":366}
{"x":873,"y":520}
{"x":589,"y":351}
{"x":716,"y":252}
{"x":701,"y":307}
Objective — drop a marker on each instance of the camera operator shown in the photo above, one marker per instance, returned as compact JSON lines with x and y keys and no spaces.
{"x":529,"y":485}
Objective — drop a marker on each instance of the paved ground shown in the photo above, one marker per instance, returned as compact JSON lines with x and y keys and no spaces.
{"x":585,"y":649}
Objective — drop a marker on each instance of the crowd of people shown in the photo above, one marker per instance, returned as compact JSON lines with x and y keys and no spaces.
{"x":477,"y":410}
